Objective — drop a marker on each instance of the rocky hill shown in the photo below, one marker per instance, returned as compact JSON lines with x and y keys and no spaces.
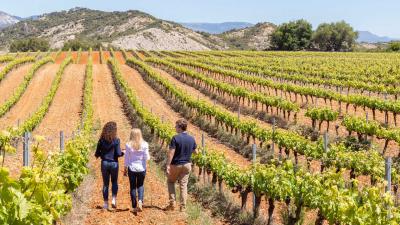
{"x":257,"y":37}
{"x":131,"y":30}
{"x":7,"y":20}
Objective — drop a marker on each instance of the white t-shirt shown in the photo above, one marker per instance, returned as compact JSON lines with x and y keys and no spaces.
{"x":135,"y":159}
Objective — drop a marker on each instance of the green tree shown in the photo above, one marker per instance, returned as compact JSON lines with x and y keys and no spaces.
{"x":292,"y":36}
{"x":394,"y":46}
{"x":339,"y":36}
{"x":31,"y":44}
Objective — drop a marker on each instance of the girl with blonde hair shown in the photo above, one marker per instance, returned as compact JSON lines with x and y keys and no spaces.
{"x":136,"y":157}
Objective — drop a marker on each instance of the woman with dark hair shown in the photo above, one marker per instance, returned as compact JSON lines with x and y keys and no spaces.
{"x":109,"y":150}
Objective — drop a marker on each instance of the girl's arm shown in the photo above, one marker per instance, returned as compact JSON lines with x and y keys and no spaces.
{"x":126,"y":158}
{"x":119,"y":152}
{"x":147,"y":154}
{"x":98,"y":150}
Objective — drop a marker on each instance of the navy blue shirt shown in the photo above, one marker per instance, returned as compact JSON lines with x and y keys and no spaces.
{"x":108,"y":151}
{"x":184,"y":145}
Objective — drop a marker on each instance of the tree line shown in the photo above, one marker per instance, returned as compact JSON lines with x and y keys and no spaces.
{"x":299,"y":35}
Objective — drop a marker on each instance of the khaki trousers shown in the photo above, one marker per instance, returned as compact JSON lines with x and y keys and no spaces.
{"x":178,"y":173}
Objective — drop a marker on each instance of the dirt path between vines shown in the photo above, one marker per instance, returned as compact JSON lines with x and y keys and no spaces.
{"x":28,"y":104}
{"x":12,"y":80}
{"x":84,"y":58}
{"x":96,"y":57}
{"x":106,"y":55}
{"x":64,"y":112}
{"x":153,"y":101}
{"x":32,"y":98}
{"x":61,"y":57}
{"x":108,"y":106}
{"x":120,"y":57}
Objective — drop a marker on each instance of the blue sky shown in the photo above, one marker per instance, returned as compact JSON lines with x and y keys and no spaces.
{"x":380,"y":17}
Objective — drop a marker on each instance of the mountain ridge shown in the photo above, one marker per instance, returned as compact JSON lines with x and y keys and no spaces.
{"x":216,"y":28}
{"x":7,"y":20}
{"x":369,"y":37}
{"x":134,"y":29}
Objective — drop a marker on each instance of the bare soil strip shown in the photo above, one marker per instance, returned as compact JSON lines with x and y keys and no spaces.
{"x":153,"y":101}
{"x":120,"y":57}
{"x":96,"y":57}
{"x":64,"y":112}
{"x":29,"y":102}
{"x":108,"y":107}
{"x":12,"y":81}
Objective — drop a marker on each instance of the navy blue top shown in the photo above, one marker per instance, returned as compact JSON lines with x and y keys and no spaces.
{"x":109,"y":151}
{"x":184,"y":145}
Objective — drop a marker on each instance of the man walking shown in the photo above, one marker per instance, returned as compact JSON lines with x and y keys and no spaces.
{"x":179,"y":163}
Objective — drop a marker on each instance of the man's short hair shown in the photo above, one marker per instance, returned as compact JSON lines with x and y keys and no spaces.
{"x":182,"y":124}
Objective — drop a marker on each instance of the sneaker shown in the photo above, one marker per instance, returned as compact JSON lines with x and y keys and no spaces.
{"x":140,"y":206}
{"x":105,"y":206}
{"x":182,"y":208}
{"x":170,"y":207}
{"x":114,"y":203}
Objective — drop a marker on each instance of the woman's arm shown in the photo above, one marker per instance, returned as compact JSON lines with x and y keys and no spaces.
{"x":98,"y":150}
{"x":118,"y":149}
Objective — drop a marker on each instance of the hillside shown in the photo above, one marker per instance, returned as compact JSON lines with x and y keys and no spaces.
{"x":254,"y":38}
{"x":131,"y":30}
{"x":368,"y":37}
{"x":7,"y":20}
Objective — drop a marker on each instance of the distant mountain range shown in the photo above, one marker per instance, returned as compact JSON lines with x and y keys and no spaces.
{"x":137,"y":30}
{"x":131,"y":30}
{"x":368,"y":37}
{"x":7,"y":20}
{"x":216,"y":28}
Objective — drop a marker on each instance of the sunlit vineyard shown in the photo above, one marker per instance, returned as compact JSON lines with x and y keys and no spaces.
{"x":324,"y":127}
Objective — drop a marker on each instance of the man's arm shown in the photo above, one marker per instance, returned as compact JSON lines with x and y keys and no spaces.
{"x":171,"y":153}
{"x":195,"y":151}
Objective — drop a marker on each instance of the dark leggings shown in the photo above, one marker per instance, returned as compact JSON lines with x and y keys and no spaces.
{"x":109,"y":169}
{"x":136,"y":180}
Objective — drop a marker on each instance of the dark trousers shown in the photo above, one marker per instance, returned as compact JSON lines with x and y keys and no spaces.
{"x":136,"y":180}
{"x":109,"y":170}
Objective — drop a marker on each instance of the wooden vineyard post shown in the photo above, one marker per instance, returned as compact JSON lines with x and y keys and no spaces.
{"x":388,"y":178}
{"x":256,"y":198}
{"x":61,"y":141}
{"x":326,"y":140}
{"x":238,"y":113}
{"x":340,"y":102}
{"x":366,"y":120}
{"x":386,"y":114}
{"x":388,"y":173}
{"x":204,"y":153}
{"x":26,"y":153}
{"x":273,"y":141}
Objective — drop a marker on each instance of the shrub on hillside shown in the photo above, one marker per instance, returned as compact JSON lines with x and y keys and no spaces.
{"x":394,"y":46}
{"x":31,"y":44}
